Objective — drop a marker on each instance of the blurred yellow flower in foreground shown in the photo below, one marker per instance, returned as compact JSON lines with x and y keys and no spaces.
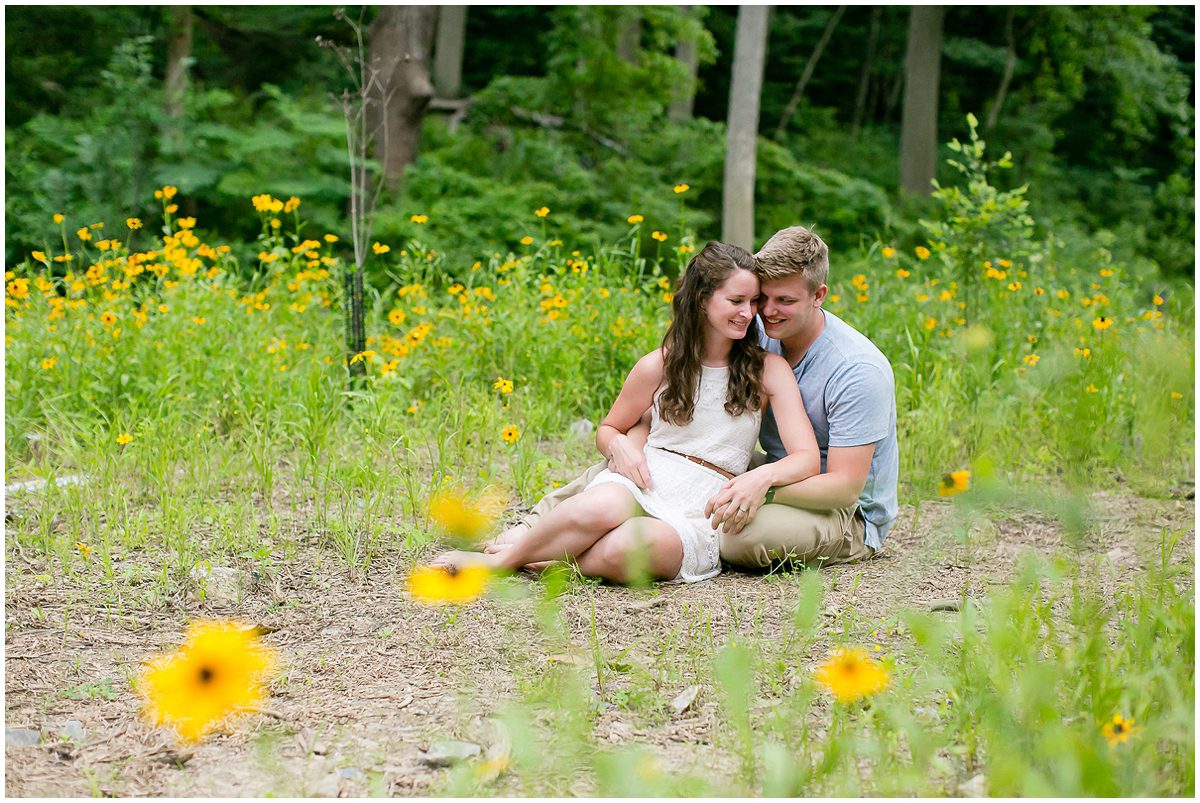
{"x":658,"y":235}
{"x":681,"y":188}
{"x":380,"y":248}
{"x":954,"y":483}
{"x":58,"y":218}
{"x":218,"y":671}
{"x":433,"y":585}
{"x":922,"y":252}
{"x":526,"y":240}
{"x":850,"y":674}
{"x":545,"y":210}
{"x":634,"y":219}
{"x":419,"y":219}
{"x":889,"y":252}
{"x":463,"y":518}
{"x":1118,"y":729}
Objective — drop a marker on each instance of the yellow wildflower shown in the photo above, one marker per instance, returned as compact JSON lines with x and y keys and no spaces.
{"x":133,"y":223}
{"x":954,"y":483}
{"x":219,"y":671}
{"x":545,"y":210}
{"x":526,"y":240}
{"x":380,"y":248}
{"x":1031,"y":359}
{"x":1118,"y":729}
{"x":124,"y":438}
{"x":49,"y":363}
{"x":83,"y":549}
{"x":1091,"y":389}
{"x":58,"y":218}
{"x":681,"y":188}
{"x":1102,"y":323}
{"x":433,"y":585}
{"x":889,"y":252}
{"x":634,"y":219}
{"x":930,"y":323}
{"x":510,"y":434}
{"x":292,"y":204}
{"x":505,"y":386}
{"x":922,"y":252}
{"x":902,"y":273}
{"x":83,"y":234}
{"x":658,"y":235}
{"x":851,"y":674}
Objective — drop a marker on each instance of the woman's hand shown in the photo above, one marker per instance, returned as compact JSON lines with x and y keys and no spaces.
{"x":626,"y":459}
{"x":734,"y":506}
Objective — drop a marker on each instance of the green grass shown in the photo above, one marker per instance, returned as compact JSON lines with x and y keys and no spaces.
{"x":230,"y":382}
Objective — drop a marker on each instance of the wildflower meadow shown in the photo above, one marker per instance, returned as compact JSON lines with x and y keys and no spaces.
{"x":220,"y":517}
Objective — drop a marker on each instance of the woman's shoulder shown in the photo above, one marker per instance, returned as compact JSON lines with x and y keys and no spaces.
{"x":654,"y":361}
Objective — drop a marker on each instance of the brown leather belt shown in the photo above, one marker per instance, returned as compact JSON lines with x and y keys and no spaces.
{"x":699,"y":462}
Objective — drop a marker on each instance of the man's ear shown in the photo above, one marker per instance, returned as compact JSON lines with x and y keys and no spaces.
{"x":819,"y":295}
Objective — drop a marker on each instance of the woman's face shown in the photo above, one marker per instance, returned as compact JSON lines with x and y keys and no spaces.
{"x":733,"y":305}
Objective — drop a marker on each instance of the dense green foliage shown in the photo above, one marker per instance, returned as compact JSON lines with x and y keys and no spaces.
{"x":1098,"y":112}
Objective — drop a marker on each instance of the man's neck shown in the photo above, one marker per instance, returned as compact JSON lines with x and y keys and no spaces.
{"x":796,"y":346}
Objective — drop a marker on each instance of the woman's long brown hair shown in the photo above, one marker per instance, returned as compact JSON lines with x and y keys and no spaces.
{"x":683,"y":344}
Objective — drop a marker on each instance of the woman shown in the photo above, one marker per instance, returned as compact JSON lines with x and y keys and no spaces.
{"x":706,"y":388}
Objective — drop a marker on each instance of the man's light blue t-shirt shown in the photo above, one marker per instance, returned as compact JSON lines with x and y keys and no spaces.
{"x":850,"y":396}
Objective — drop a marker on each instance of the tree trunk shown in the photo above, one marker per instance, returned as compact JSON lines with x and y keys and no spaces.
{"x":809,"y":68}
{"x":179,"y":54}
{"x":685,"y":53}
{"x":629,"y":41}
{"x":448,"y":52}
{"x":1010,"y":64}
{"x":864,"y":79}
{"x":400,"y":39}
{"x":918,"y":124}
{"x":749,"y":55}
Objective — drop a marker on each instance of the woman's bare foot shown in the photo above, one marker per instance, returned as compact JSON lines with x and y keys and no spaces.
{"x":458,"y":559}
{"x":500,"y":549}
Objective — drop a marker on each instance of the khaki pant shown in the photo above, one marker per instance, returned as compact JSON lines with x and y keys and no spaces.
{"x":778,"y":532}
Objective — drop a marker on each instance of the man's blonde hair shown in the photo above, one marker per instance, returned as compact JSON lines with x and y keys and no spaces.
{"x":794,"y":250}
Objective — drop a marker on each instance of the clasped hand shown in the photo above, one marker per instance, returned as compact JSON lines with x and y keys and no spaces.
{"x":734,"y":506}
{"x":628,"y":461}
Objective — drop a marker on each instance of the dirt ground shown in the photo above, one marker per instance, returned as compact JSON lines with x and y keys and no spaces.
{"x":370,"y":679}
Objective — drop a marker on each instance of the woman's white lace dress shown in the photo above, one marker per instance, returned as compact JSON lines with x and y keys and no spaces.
{"x":681,"y":488}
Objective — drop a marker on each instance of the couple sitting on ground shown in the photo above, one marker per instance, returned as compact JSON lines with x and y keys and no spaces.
{"x":749,"y":355}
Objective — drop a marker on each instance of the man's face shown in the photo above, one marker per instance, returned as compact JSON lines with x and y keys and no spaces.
{"x":789,"y":308}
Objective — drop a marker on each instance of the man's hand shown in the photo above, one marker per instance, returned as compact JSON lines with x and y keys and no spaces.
{"x":734,"y":506}
{"x":626,"y":459}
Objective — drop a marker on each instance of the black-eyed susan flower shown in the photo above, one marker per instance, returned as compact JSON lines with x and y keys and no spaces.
{"x":510,"y":434}
{"x":83,"y":549}
{"x":1101,"y":323}
{"x":362,"y":356}
{"x":49,"y":363}
{"x":124,"y":438}
{"x":922,"y":252}
{"x":220,"y":670}
{"x":396,"y":317}
{"x":954,"y":483}
{"x":660,"y":236}
{"x":133,"y":223}
{"x":851,"y":674}
{"x":503,"y":385}
{"x":434,"y":585}
{"x":462,"y":518}
{"x":1118,"y":729}
{"x":1031,"y":359}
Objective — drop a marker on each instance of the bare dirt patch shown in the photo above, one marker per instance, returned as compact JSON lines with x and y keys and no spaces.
{"x":370,"y":679}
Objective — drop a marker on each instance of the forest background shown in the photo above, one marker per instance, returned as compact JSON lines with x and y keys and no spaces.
{"x":590,"y":110}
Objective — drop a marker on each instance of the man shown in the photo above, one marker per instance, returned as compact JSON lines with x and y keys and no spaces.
{"x":844,"y":513}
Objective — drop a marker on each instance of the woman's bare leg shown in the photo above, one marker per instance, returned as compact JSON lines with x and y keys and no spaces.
{"x":615,"y":555}
{"x":564,"y":533}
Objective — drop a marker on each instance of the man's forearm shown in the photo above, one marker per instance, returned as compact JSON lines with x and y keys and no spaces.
{"x":821,"y":492}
